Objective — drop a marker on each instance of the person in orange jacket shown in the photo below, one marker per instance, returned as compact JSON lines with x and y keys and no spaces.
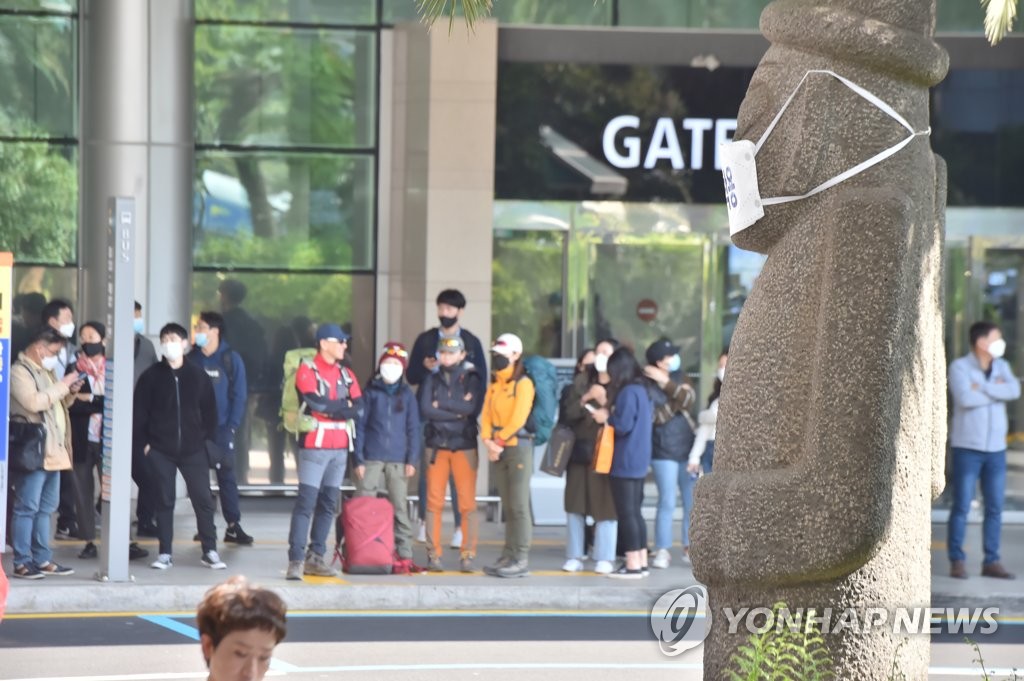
{"x":510,"y":449}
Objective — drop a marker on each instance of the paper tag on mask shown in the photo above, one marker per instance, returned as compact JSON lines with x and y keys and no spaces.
{"x":742,"y":196}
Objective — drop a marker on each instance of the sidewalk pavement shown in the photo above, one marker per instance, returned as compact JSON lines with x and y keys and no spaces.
{"x":180,"y":588}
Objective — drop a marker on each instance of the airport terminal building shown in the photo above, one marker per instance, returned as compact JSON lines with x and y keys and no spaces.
{"x":557,"y":164}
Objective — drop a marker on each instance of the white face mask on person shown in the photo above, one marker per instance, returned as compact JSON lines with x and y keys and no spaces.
{"x":50,"y":363}
{"x":600,"y":363}
{"x":67,"y":330}
{"x":391,"y":373}
{"x":739,"y":170}
{"x":173,"y":350}
{"x":997,"y":348}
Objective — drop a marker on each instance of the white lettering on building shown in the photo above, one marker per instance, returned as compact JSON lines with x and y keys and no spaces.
{"x":624,"y":148}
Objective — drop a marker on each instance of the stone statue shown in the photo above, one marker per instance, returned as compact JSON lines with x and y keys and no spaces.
{"x":832,"y":426}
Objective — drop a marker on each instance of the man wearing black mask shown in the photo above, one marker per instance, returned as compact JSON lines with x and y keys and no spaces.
{"x":423,"y":361}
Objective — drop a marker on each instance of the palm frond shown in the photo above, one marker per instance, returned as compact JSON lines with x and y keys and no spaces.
{"x":999,"y":16}
{"x":472,"y":10}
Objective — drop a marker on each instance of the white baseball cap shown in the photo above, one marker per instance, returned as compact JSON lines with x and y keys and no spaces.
{"x":507,"y":344}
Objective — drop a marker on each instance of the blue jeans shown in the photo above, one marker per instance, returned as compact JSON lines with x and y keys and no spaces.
{"x":670,"y":476}
{"x":36,"y":496}
{"x":316,"y":507}
{"x":968,"y":466}
{"x":708,"y":457}
{"x":605,"y":534}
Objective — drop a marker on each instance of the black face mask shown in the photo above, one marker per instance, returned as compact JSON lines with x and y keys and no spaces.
{"x":92,"y":349}
{"x":448,"y":322}
{"x":499,"y":362}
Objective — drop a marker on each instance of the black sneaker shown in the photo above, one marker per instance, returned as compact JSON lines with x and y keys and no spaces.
{"x":27,"y":572}
{"x":62,"y":533}
{"x":52,"y":568}
{"x":88,"y":552}
{"x":236,"y":535}
{"x":135,"y":552}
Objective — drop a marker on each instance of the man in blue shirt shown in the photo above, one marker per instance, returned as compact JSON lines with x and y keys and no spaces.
{"x":981,"y":383}
{"x":226,"y":370}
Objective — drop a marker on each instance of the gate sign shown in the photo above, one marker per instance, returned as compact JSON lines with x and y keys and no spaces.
{"x":6,"y":269}
{"x":647,"y":310}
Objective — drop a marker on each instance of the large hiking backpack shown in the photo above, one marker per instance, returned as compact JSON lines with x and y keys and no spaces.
{"x":545,"y":399}
{"x":368,"y":525}
{"x":294,"y":417}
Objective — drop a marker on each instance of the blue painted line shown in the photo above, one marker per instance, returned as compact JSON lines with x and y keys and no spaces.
{"x":174,"y":625}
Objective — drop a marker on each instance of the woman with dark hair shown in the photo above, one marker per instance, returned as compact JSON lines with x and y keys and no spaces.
{"x":632,"y":416}
{"x":239,"y":626}
{"x":587,"y":493}
{"x":86,"y":414}
{"x":702,"y":455}
{"x":38,"y":397}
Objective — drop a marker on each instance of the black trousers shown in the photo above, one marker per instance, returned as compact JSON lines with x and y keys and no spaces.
{"x":142,"y":476}
{"x":67,"y":518}
{"x":196,"y":471}
{"x":628,"y":494}
{"x":86,"y":464}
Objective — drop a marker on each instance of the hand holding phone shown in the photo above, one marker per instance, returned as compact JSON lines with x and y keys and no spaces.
{"x":589,"y":407}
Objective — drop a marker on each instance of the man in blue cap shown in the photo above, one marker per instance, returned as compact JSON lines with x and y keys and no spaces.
{"x":331,"y":395}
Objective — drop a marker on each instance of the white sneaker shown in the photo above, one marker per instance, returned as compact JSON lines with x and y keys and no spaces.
{"x":686,"y":556}
{"x":662,"y":558}
{"x":212,"y":560}
{"x":572,"y":565}
{"x":162,"y":562}
{"x":421,"y":535}
{"x":604,"y":567}
{"x":456,"y":539}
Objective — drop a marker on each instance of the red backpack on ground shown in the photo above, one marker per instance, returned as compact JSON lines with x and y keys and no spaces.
{"x":368,"y":527}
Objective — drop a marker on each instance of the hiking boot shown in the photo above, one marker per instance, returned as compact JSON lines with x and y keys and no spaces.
{"x":27,"y":571}
{"x":236,"y":535}
{"x":135,"y":552}
{"x":662,"y":559}
{"x":294,"y":571}
{"x":88,"y":552}
{"x":52,"y":568}
{"x":434,"y":565}
{"x":162,"y":562}
{"x":957,"y":569}
{"x":492,"y":570}
{"x":211,"y":559}
{"x":316,"y":566}
{"x":996,"y":570}
{"x":466,"y":565}
{"x":519,"y":568}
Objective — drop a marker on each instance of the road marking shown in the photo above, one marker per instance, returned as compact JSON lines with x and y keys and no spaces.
{"x":192,"y":633}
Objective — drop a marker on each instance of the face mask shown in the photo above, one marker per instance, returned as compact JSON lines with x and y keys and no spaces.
{"x":742,"y":196}
{"x":173,"y":350}
{"x":997,"y":348}
{"x":674,"y":363}
{"x":92,"y":349}
{"x":600,"y":363}
{"x":139,"y":326}
{"x":391,"y":373}
{"x":448,"y":322}
{"x":50,"y":363}
{"x":720,"y":374}
{"x":500,"y":362}
{"x":201,"y":340}
{"x":67,"y":330}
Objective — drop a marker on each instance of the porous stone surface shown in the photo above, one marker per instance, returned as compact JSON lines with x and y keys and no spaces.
{"x":832,"y":426}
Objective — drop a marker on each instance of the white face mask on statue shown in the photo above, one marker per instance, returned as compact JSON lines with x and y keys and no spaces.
{"x":391,"y":373}
{"x":601,"y":363}
{"x":173,"y":350}
{"x":997,"y":348}
{"x":742,"y":196}
{"x":50,"y":363}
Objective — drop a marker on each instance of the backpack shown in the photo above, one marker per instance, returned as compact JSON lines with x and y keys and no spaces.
{"x":545,"y":398}
{"x":294,"y":418}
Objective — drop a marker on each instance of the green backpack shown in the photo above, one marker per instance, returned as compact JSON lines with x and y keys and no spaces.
{"x":294,"y":417}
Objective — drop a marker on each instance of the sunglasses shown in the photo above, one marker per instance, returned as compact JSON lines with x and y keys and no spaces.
{"x":450,"y":343}
{"x":395,"y":352}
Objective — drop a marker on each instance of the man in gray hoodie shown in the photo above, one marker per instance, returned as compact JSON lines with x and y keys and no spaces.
{"x":981,"y":383}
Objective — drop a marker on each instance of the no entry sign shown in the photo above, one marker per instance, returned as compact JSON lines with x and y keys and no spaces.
{"x":647,"y":310}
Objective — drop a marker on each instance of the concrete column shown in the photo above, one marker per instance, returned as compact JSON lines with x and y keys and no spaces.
{"x":136,"y":134}
{"x":437,"y":164}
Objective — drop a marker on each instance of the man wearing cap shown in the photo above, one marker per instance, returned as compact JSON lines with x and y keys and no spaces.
{"x":332,"y":396}
{"x":673,"y":437}
{"x":424,"y":360}
{"x":449,"y":402}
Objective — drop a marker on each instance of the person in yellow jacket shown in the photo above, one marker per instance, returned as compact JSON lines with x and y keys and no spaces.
{"x":510,"y":448}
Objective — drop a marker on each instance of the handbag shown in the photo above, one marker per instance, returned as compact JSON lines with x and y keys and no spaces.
{"x":219,"y":458}
{"x":560,"y":444}
{"x":604,"y":450}
{"x":26,"y":442}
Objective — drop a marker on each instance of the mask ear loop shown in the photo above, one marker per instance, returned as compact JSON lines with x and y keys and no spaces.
{"x":860,"y":167}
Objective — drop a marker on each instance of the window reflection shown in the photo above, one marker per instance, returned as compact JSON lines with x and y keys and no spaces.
{"x":38,"y":81}
{"x":295,"y":211}
{"x":308,"y":12}
{"x":38,"y":202}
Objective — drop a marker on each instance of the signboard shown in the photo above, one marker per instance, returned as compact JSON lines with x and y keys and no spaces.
{"x":647,"y":310}
{"x":6,"y":287}
{"x":119,"y":315}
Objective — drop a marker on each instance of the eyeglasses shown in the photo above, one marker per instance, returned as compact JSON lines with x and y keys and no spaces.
{"x":340,"y":341}
{"x":392,"y":351}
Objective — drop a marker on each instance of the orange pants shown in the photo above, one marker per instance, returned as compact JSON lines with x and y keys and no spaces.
{"x":462,"y":466}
